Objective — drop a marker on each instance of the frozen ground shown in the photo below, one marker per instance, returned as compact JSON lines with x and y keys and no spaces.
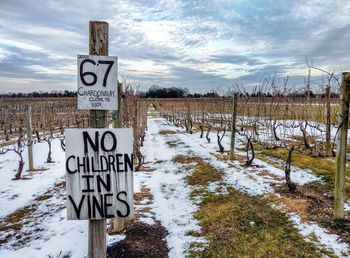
{"x":17,"y":193}
{"x":250,"y":180}
{"x":47,"y":232}
{"x":41,"y":235}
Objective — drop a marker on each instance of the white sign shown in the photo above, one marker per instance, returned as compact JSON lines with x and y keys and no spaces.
{"x":97,"y":82}
{"x":99,"y":173}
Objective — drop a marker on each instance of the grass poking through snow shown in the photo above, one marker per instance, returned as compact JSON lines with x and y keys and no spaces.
{"x":202,"y":174}
{"x":324,"y":167}
{"x":239,"y":225}
{"x":165,"y":132}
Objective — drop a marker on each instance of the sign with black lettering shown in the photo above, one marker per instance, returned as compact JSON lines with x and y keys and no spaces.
{"x":99,"y":173}
{"x":97,"y":82}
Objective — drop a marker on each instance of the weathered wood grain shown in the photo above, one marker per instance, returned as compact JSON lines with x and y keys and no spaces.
{"x":339,"y":191}
{"x":98,"y":45}
{"x":233,"y":125}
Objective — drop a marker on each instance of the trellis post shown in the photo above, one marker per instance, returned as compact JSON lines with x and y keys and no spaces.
{"x":233,"y":125}
{"x":118,"y":223}
{"x":339,"y":191}
{"x":29,"y":138}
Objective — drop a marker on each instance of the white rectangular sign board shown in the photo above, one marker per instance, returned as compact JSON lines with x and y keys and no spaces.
{"x":99,"y":173}
{"x":97,"y":82}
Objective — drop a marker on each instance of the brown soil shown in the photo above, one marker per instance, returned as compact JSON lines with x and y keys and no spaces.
{"x":141,"y":240}
{"x":313,"y":205}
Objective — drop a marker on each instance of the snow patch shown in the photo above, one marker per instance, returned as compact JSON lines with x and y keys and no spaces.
{"x":324,"y":239}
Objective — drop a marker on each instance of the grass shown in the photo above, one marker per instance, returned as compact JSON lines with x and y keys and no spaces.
{"x":203,"y":172}
{"x":324,"y":167}
{"x":311,"y":139}
{"x":239,"y":225}
{"x":20,"y":214}
{"x":15,"y":222}
{"x":186,"y":159}
{"x":43,"y":197}
{"x":165,"y":132}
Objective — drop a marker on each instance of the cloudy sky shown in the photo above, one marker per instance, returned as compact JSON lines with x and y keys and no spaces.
{"x":200,"y":45}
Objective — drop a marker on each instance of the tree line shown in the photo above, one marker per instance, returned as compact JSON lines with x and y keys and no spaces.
{"x":173,"y":92}
{"x":40,"y":94}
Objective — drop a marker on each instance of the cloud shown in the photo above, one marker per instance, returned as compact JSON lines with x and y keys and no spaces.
{"x":236,"y":59}
{"x":25,"y":85}
{"x":197,"y":44}
{"x":26,"y":63}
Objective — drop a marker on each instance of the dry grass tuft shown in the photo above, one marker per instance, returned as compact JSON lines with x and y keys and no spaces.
{"x":202,"y":174}
{"x":186,"y":159}
{"x":165,"y":132}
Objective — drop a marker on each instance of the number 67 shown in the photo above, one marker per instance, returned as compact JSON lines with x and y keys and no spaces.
{"x":94,"y":76}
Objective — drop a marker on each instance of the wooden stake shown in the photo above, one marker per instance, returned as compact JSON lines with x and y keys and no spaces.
{"x":341,"y":148}
{"x":42,"y":115}
{"x":117,"y":123}
{"x":29,"y":137}
{"x":328,"y":120}
{"x":233,"y":126}
{"x":118,"y":223}
{"x":98,"y":45}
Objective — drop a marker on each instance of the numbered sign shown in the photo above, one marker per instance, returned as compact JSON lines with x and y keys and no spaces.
{"x":97,"y":82}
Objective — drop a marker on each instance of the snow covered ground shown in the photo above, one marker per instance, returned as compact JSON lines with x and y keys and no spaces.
{"x":250,"y":180}
{"x":50,"y":234}
{"x":47,"y":232}
{"x":253,"y":181}
{"x":171,"y":204}
{"x":17,"y":193}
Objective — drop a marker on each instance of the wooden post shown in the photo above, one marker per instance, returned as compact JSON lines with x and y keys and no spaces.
{"x":42,"y":116}
{"x":137,"y":115}
{"x":117,"y":122}
{"x":29,"y":138}
{"x":341,"y":148}
{"x":233,"y":126}
{"x":328,"y":120}
{"x":118,"y":223}
{"x":98,"y":45}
